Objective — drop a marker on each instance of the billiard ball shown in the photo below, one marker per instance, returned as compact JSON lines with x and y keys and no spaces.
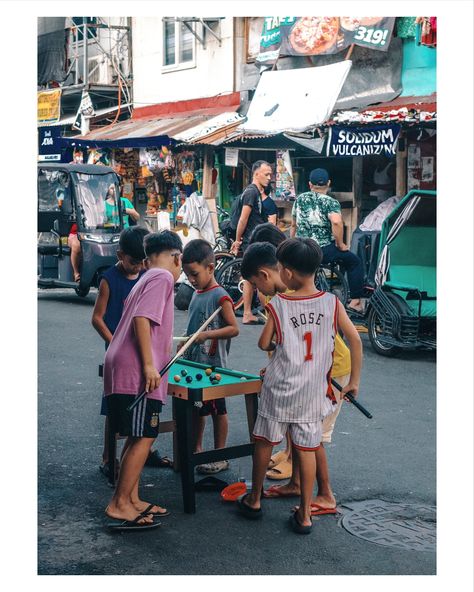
{"x":208,"y":371}
{"x":189,"y":378}
{"x":217,"y":377}
{"x":198,"y":376}
{"x":183,"y":372}
{"x":212,"y":376}
{"x":243,"y":378}
{"x":177,"y":378}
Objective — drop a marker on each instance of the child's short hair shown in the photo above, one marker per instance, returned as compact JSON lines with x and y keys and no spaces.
{"x":304,"y":255}
{"x":131,"y":242}
{"x":257,"y":256}
{"x":158,"y":242}
{"x":198,"y":251}
{"x":267,"y":233}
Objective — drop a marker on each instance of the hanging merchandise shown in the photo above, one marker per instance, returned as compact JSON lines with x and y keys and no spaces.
{"x":78,"y":156}
{"x":427,"y":27}
{"x":285,"y":185}
{"x":127,"y":161}
{"x":186,"y":167}
{"x":96,"y":156}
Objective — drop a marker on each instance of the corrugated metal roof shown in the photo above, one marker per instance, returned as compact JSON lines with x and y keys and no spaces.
{"x":424,"y":103}
{"x":144,"y":128}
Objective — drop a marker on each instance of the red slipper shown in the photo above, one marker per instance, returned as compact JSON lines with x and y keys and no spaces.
{"x":275,"y":491}
{"x":317,"y":510}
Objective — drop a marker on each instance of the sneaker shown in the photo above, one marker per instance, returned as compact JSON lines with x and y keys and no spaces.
{"x":213,"y":467}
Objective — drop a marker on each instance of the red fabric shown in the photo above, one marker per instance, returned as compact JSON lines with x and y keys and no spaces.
{"x":73,"y":229}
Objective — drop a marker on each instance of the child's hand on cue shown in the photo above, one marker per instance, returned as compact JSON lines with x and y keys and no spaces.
{"x":352,"y":388}
{"x":152,"y":378}
{"x":201,"y":338}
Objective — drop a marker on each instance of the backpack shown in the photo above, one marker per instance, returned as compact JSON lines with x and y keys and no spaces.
{"x":235,"y":212}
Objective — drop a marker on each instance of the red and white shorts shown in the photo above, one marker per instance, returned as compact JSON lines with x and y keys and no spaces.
{"x":305,"y":436}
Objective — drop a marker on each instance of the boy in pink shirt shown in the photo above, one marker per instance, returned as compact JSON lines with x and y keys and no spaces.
{"x":141,"y":345}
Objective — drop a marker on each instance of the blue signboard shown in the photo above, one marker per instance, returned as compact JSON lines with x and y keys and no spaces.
{"x":50,"y":145}
{"x":346,"y":142}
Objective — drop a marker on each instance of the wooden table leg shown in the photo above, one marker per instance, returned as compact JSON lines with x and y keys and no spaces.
{"x":184,"y":411}
{"x":112,"y":445}
{"x":251,"y":406}
{"x":176,"y":463}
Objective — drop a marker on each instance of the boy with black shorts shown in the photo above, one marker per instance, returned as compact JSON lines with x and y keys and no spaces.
{"x":141,"y":345}
{"x":296,"y":393}
{"x":212,"y":346}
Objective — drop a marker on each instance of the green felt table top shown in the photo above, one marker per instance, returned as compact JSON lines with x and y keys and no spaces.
{"x":192,"y":369}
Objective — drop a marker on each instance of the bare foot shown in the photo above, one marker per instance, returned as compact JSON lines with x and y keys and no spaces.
{"x":249,"y":318}
{"x":251,"y":501}
{"x":126,"y":513}
{"x":140,"y":506}
{"x":324,"y":501}
{"x":288,"y":490}
{"x":304,"y":521}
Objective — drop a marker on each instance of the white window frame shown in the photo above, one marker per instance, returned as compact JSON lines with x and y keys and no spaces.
{"x":177,"y":65}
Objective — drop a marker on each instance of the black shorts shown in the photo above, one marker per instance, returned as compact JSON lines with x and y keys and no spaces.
{"x":142,"y":422}
{"x":214,"y":407}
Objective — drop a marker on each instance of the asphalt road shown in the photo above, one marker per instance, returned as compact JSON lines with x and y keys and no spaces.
{"x":391,"y":457}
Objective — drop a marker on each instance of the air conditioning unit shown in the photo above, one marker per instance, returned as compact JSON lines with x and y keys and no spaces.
{"x":100,"y":70}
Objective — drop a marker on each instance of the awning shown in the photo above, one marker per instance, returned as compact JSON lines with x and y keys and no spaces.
{"x":295,"y":100}
{"x":205,"y":119}
{"x":216,"y":129}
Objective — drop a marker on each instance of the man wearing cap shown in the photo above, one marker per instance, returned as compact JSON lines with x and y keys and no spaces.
{"x":317,"y":215}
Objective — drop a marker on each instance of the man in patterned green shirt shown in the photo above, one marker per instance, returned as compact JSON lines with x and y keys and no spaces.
{"x":318,"y":216}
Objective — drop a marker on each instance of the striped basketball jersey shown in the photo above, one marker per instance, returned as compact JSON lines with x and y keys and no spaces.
{"x":297,"y":382}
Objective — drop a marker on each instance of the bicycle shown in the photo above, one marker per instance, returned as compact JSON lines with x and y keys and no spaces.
{"x":329,"y":278}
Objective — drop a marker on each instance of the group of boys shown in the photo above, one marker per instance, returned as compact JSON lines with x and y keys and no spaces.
{"x":296,"y":400}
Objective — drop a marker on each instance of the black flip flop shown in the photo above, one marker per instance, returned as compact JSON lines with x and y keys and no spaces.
{"x":297,"y":527}
{"x":247,"y":511}
{"x":161,"y":462}
{"x":119,"y":525}
{"x":146,"y":511}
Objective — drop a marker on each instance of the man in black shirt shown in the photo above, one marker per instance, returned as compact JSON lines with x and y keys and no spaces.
{"x":252,"y":215}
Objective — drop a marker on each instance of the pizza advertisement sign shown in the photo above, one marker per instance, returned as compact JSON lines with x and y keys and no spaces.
{"x":317,"y":35}
{"x":368,"y":141}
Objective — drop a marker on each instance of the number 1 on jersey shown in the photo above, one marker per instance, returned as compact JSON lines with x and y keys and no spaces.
{"x":308,"y":338}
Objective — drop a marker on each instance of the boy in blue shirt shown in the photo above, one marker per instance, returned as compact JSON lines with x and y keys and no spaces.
{"x":212,"y":346}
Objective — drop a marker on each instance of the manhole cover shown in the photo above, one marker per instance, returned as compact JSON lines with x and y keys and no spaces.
{"x":406,"y":526}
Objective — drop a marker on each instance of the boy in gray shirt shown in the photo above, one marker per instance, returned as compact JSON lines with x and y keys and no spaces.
{"x":212,"y":346}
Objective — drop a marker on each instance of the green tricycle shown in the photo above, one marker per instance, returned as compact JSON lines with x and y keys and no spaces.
{"x":401,"y":313}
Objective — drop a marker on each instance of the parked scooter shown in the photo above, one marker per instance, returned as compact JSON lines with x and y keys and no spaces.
{"x":74,"y":194}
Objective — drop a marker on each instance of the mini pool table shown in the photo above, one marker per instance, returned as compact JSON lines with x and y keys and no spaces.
{"x":186,"y":395}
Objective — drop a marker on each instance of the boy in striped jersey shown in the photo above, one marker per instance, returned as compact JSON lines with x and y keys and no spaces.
{"x":296,"y":393}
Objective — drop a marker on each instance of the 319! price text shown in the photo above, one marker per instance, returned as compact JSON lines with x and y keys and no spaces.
{"x":373,"y":36}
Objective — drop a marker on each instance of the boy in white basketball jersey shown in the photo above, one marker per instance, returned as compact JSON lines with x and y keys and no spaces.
{"x":296,"y":392}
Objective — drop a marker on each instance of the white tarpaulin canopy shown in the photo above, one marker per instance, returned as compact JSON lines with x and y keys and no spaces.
{"x":295,"y":100}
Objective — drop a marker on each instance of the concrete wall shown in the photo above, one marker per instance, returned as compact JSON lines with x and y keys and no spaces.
{"x":212,"y":74}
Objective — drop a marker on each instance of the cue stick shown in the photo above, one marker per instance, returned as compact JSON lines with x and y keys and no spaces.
{"x":188,"y":343}
{"x":352,"y":400}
